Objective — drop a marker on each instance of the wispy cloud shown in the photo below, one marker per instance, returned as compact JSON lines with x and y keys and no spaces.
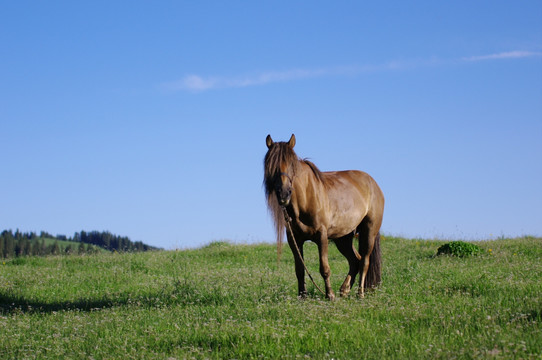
{"x":503,"y":55}
{"x":197,"y":83}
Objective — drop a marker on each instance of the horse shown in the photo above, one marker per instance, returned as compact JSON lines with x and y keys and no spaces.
{"x":334,"y":205}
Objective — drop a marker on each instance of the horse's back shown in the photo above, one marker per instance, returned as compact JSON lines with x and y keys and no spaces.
{"x":368,"y":185}
{"x":357,"y":179}
{"x":352,"y":195}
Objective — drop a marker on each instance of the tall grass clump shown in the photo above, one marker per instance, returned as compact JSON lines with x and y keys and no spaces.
{"x":459,"y":248}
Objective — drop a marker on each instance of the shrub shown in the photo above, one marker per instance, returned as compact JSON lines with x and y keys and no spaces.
{"x":459,"y":248}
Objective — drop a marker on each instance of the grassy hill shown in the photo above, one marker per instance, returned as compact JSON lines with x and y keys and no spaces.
{"x":63,"y":244}
{"x":236,"y":301}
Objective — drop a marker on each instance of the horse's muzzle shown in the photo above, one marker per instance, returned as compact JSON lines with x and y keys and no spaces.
{"x":284,"y":195}
{"x":284,"y":202}
{"x":285,"y":199}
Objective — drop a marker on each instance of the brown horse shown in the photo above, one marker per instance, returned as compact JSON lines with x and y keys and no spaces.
{"x":325,"y":205}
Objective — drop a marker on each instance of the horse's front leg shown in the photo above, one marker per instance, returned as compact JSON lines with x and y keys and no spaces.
{"x":299,"y":268}
{"x":325,"y":270}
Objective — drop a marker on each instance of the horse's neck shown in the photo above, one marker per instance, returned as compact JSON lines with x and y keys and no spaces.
{"x":309,"y":188}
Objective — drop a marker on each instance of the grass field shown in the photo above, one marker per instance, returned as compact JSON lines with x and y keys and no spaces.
{"x":235,"y":301}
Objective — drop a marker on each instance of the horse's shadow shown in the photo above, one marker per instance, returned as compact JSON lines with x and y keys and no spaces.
{"x":179,"y":292}
{"x":15,"y":304}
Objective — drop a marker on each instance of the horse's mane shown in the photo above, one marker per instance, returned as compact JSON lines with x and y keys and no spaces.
{"x":317,"y":173}
{"x":280,"y":153}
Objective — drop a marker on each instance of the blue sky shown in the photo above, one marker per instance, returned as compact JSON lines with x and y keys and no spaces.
{"x":148,"y":119}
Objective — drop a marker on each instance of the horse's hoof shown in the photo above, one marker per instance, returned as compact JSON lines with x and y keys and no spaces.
{"x":331,"y":296}
{"x":344,"y":292}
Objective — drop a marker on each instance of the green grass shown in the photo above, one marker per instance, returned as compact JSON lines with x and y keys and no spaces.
{"x":236,"y":301}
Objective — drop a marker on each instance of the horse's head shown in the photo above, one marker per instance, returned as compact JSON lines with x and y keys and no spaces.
{"x":280,"y":162}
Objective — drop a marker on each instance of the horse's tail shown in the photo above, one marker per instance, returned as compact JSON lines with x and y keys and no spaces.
{"x":373,"y":277}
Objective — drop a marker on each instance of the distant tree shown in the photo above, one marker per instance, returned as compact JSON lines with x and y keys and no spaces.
{"x":55,"y":249}
{"x":91,"y":249}
{"x":45,"y":234}
{"x":81,"y":248}
{"x":27,"y":247}
{"x":139,"y":246}
{"x":43,"y":248}
{"x":83,"y":237}
{"x":35,"y":248}
{"x":105,"y":240}
{"x":68,"y":250}
{"x":127,"y":245}
{"x":114,"y":242}
{"x":9,"y":245}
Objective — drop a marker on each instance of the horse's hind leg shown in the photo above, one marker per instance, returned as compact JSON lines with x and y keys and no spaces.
{"x":367,"y":235}
{"x":345,"y":246}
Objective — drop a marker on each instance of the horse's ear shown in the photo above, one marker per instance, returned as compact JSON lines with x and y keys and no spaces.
{"x":291,"y":143}
{"x":268,"y":141}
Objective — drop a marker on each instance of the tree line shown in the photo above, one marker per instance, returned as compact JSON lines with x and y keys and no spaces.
{"x":14,"y":244}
